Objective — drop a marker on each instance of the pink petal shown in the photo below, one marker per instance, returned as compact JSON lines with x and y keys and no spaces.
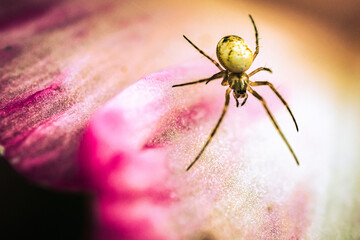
{"x":44,"y":101}
{"x":63,"y":61}
{"x":47,"y":91}
{"x":137,"y":147}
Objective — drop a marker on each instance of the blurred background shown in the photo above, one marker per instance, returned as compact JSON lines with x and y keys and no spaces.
{"x":31,"y":211}
{"x":340,"y":16}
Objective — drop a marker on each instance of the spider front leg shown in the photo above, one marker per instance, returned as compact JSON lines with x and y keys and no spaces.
{"x":207,"y":80}
{"x":227,"y":100}
{"x":258,"y":70}
{"x":261,"y":99}
{"x":269,"y":84}
{"x":202,"y":52}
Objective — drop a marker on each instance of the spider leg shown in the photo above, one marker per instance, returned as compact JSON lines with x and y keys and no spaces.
{"x":202,"y":52}
{"x":256,"y":38}
{"x":269,"y":84}
{"x":207,"y":80}
{"x":258,"y":70}
{"x":227,"y":100}
{"x":261,"y":99}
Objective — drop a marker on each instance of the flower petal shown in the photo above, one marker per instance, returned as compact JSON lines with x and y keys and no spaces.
{"x":137,"y":147}
{"x":54,"y":73}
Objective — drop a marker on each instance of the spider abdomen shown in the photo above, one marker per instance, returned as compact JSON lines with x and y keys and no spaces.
{"x":234,"y":54}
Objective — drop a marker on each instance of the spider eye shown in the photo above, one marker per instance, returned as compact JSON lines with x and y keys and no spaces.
{"x":234,"y":54}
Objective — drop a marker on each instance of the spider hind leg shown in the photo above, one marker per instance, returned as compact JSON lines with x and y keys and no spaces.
{"x":204,"y":54}
{"x":256,"y":38}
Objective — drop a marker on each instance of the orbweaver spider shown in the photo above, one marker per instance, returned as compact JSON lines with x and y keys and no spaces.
{"x":236,"y":57}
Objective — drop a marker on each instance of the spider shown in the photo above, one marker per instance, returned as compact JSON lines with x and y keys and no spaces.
{"x":236,"y":57}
